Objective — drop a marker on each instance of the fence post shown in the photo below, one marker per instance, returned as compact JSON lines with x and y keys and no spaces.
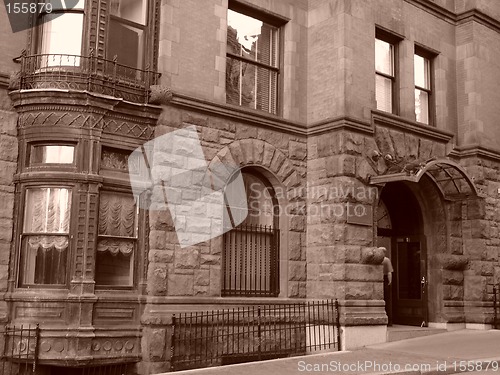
{"x":337,"y":322}
{"x":495,"y":317}
{"x":259,"y":334}
{"x":37,"y":336}
{"x":172,"y":344}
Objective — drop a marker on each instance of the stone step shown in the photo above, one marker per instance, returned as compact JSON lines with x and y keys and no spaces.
{"x":397,"y":332}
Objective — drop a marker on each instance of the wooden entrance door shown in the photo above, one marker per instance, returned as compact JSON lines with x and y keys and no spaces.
{"x":410,"y":281}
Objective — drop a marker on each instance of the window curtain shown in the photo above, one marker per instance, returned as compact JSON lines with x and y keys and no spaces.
{"x":47,"y":211}
{"x":117,"y":215}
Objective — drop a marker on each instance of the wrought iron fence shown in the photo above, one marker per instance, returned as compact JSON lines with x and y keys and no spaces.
{"x":111,"y":369}
{"x":251,"y":261}
{"x":90,"y":73}
{"x":252,"y":333}
{"x":20,"y":349}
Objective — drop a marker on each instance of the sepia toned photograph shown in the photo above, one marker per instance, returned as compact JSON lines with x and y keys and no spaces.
{"x":240,"y":187}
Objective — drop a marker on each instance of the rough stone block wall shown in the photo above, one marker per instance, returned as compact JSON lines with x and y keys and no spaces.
{"x":196,"y":270}
{"x":8,"y":166}
{"x":481,"y":233}
{"x":334,"y":247}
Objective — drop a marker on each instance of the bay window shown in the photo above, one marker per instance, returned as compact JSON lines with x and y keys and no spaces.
{"x":45,"y":236}
{"x":51,"y":154}
{"x":61,"y":34}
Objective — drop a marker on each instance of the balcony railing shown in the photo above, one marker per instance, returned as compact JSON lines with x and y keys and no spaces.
{"x":86,"y":73}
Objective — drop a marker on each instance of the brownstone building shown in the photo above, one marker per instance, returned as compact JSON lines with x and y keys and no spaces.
{"x":366,"y":122}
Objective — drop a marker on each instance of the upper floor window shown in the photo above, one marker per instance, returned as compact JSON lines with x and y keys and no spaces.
{"x":51,"y":154}
{"x":385,"y":75}
{"x":423,"y":87}
{"x":252,"y":66}
{"x":251,"y":250}
{"x":61,"y":35}
{"x":45,"y":236}
{"x":126,"y":35}
{"x":116,"y":245}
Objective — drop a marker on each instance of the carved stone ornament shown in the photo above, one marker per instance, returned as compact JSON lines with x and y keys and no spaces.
{"x":15,"y":80}
{"x":453,"y":262}
{"x":160,"y":94}
{"x":372,"y":255}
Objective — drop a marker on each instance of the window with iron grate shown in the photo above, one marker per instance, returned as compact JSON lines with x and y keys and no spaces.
{"x":251,"y":250}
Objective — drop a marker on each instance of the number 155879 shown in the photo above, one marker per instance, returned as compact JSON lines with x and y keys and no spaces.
{"x":24,"y":8}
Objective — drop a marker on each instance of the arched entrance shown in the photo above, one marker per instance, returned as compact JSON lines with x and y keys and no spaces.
{"x":400,"y":229}
{"x":412,"y":224}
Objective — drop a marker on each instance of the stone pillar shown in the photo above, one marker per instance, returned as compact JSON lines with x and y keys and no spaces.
{"x":341,"y":260}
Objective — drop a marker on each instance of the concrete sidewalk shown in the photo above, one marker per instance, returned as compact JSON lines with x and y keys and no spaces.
{"x":445,"y":353}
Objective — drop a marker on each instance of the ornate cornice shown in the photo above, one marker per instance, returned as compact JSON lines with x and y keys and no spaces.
{"x":435,"y":10}
{"x":476,"y":150}
{"x":457,"y":18}
{"x":479,"y":17}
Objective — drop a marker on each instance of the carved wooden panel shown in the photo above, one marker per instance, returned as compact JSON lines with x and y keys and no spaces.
{"x":118,"y":160}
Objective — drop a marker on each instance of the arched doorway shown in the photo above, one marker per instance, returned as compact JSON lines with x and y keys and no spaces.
{"x":400,"y":229}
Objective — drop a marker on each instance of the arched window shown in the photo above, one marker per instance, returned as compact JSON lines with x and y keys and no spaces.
{"x":251,"y":250}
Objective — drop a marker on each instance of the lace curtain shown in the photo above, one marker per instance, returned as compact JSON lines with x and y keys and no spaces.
{"x":47,"y":210}
{"x":117,"y":215}
{"x":45,"y":243}
{"x":115,"y":246}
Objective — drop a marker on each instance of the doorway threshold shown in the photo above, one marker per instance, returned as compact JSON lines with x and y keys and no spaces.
{"x":398,"y":332}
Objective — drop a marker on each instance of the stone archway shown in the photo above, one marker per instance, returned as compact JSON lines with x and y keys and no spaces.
{"x":290,"y":187}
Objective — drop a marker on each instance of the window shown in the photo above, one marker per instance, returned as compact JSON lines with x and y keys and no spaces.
{"x":51,"y":154}
{"x":61,"y":35}
{"x":45,"y":236}
{"x":423,"y":104}
{"x":250,"y":256}
{"x":126,"y":36}
{"x":384,"y":75}
{"x":252,"y":62}
{"x":117,"y":239}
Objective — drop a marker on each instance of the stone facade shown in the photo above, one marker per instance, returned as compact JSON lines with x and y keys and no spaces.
{"x":329,"y":154}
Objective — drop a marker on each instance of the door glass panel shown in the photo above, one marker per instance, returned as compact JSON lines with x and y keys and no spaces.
{"x":409,"y":270}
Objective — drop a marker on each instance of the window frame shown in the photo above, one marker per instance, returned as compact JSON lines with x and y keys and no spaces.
{"x":38,"y":46}
{"x":393,"y":40}
{"x":136,"y":240}
{"x":276,"y":21}
{"x":144,"y":58}
{"x":32,"y":165}
{"x":19,"y":246}
{"x":274,"y":279}
{"x":430,"y":56}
